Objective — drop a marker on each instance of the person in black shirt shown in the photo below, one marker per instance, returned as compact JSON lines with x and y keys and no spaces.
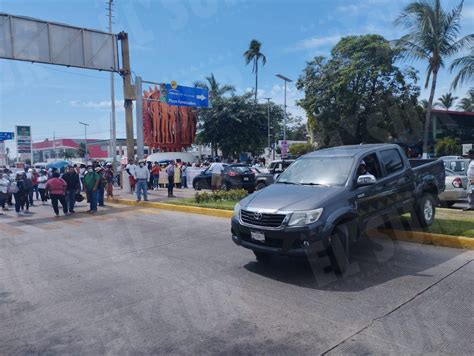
{"x":73,"y":187}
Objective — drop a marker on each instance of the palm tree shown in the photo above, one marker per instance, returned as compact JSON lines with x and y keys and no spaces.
{"x":432,"y":38}
{"x":466,"y":69}
{"x":467,"y":103}
{"x":216,"y":90}
{"x":424,"y":104}
{"x":253,"y":54}
{"x":446,"y":101}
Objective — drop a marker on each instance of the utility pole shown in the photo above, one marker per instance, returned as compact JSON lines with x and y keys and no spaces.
{"x":86,"y":155}
{"x":139,"y":114}
{"x":54,"y":145}
{"x":113,"y":130}
{"x":268,"y":126}
{"x":128,"y":95}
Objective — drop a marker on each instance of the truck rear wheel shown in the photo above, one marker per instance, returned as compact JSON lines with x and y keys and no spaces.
{"x":260,"y":185}
{"x":424,"y":213}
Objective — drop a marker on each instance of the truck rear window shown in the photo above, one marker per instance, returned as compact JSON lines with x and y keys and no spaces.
{"x":391,"y":160}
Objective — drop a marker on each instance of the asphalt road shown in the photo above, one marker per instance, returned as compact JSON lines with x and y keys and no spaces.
{"x":131,"y":280}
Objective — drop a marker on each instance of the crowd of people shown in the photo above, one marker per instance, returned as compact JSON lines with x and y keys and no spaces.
{"x":145,"y":176}
{"x":27,"y":187}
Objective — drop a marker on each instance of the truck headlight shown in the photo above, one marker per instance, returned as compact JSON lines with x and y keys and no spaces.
{"x":237,"y":208}
{"x":302,"y":218}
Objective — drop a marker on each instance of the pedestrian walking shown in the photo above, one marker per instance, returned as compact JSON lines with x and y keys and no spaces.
{"x":170,"y":173}
{"x":155,"y":172}
{"x":91,"y":182}
{"x":56,"y":188}
{"x":73,"y":187}
{"x":142,"y":175}
{"x":28,"y":193}
{"x":216,"y":180}
{"x":470,"y":177}
{"x":42,"y":179}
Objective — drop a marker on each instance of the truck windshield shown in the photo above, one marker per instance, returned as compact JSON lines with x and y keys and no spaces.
{"x":318,"y":171}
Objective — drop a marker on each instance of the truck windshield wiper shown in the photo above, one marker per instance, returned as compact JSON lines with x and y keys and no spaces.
{"x":314,"y":184}
{"x":285,"y":182}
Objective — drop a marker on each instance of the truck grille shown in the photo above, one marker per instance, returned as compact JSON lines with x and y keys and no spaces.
{"x":262,"y":219}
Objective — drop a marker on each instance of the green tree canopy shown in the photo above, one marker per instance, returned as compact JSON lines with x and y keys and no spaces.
{"x":360,"y":95}
{"x":446,"y":101}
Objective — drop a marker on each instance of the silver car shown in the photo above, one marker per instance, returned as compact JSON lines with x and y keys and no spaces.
{"x":456,"y":188}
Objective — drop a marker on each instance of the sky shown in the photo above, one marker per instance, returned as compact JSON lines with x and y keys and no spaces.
{"x":186,"y":40}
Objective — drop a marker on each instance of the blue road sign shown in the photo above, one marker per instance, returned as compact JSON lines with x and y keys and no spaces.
{"x":187,"y":96}
{"x":6,"y":136}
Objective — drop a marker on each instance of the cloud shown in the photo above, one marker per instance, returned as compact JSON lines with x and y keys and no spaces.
{"x":97,"y":105}
{"x":349,"y":8}
{"x":316,"y":42}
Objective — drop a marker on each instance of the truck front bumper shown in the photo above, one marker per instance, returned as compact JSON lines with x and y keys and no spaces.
{"x":297,"y":241}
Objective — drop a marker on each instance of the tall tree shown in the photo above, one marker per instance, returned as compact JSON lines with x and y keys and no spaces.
{"x":253,"y":54}
{"x":360,"y":95}
{"x":446,"y":101}
{"x":467,"y":103}
{"x":432,"y":37}
{"x":465,"y":65}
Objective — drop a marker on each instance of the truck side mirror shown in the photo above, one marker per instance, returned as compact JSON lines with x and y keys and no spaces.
{"x":366,"y":179}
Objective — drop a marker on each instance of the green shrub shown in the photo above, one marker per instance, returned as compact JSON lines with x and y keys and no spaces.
{"x":221,"y":195}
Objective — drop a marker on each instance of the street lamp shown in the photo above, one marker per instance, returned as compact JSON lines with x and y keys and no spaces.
{"x":287,"y":80}
{"x":86,"y":156}
{"x":268,"y":114}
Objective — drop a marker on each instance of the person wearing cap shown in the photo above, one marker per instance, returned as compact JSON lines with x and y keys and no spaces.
{"x":142,"y":175}
{"x":91,"y":182}
{"x":470,"y":177}
{"x":57,"y":187}
{"x":73,"y":187}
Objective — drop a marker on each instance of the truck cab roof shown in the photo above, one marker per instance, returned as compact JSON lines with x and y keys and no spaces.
{"x":350,"y":151}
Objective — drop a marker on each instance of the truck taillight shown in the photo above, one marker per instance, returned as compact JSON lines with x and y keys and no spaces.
{"x":232,"y":174}
{"x":457,"y":182}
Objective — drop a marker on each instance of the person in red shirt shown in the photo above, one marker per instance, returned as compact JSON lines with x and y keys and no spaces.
{"x":57,"y":190}
{"x":34,"y":180}
{"x":155,"y":173}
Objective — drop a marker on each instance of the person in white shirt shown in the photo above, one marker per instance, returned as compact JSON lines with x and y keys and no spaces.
{"x":470,"y":177}
{"x":130,"y":169}
{"x":216,"y":168}
{"x":142,"y":175}
{"x":4,"y":184}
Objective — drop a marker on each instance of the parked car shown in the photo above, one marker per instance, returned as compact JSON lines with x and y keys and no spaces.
{"x":324,"y":200}
{"x":456,"y":189}
{"x":262,"y":179}
{"x":458,"y":166}
{"x":279,"y":166}
{"x":234,"y":176}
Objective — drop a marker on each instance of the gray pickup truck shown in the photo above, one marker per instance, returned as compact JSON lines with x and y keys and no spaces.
{"x":327,"y":198}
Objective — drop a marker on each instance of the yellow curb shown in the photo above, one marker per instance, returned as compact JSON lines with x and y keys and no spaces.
{"x":179,"y":208}
{"x":431,"y":239}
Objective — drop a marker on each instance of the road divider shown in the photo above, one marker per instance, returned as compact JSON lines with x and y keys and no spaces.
{"x":426,"y":238}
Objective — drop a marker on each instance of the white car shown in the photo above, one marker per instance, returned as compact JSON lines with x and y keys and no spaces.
{"x":456,"y":188}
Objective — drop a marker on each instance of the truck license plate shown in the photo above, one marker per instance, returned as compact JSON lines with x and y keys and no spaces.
{"x":257,"y":236}
{"x":246,"y":178}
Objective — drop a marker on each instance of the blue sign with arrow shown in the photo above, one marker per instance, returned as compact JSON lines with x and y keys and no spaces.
{"x":6,"y":136}
{"x":187,"y":96}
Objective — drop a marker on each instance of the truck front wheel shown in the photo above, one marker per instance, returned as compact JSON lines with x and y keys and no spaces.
{"x":425,"y":211}
{"x":338,"y":250}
